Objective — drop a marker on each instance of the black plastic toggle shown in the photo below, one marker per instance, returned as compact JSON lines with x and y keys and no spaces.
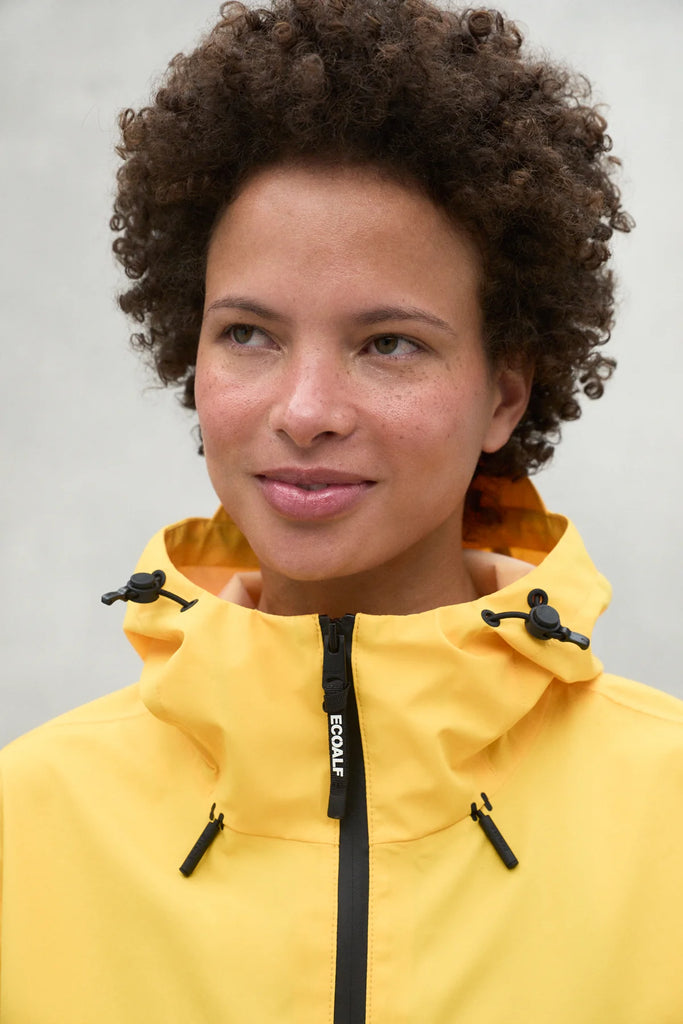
{"x":541,"y":621}
{"x":493,"y":834}
{"x":210,"y":832}
{"x":143,"y":588}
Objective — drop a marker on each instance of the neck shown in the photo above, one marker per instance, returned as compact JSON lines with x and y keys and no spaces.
{"x":413,"y":583}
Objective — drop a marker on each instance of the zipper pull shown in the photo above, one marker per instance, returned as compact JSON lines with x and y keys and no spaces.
{"x":210,"y":832}
{"x":336,"y":686}
{"x":492,"y":833}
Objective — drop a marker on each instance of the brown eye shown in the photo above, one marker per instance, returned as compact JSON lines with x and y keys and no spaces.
{"x":393,"y":345}
{"x":242,"y":333}
{"x":386,"y":346}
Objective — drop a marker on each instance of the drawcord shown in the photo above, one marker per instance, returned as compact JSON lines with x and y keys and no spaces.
{"x":542,"y":621}
{"x":143,"y":588}
{"x":492,"y":833}
{"x":210,"y":832}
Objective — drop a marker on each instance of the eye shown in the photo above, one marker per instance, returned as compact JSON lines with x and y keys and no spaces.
{"x":393,"y":345}
{"x":246,"y":336}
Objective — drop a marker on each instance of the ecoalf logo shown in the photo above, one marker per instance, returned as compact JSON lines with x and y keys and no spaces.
{"x":337,"y":744}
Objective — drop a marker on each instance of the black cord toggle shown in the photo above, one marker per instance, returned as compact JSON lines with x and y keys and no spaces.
{"x":143,"y":588}
{"x":210,"y":832}
{"x":492,"y":833}
{"x":541,"y":621}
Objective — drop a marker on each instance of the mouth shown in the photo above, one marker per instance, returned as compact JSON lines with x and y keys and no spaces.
{"x":313,"y":479}
{"x":312,"y":494}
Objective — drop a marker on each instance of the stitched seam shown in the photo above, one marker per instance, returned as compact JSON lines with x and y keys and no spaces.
{"x":629,"y":707}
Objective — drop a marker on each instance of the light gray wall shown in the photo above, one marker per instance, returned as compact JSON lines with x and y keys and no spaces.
{"x":95,"y":460}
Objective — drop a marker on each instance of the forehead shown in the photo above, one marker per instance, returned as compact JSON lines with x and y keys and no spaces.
{"x":334,"y":188}
{"x":340,"y":223}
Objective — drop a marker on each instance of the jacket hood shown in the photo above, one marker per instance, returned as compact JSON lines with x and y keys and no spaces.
{"x":442,"y":692}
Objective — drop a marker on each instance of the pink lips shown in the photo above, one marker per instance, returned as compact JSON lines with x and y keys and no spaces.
{"x":287,"y":491}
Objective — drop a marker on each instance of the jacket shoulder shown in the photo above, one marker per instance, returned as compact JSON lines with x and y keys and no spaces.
{"x":639,"y":698}
{"x":610,"y":727}
{"x":113,"y":709}
{"x":630,"y":734}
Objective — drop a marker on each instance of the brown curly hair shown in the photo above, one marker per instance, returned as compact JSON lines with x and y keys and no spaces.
{"x":508,"y":146}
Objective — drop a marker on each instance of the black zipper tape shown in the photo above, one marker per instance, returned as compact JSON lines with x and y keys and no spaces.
{"x":354,"y":857}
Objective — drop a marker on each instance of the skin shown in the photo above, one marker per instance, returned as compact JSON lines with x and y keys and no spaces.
{"x":325,"y":374}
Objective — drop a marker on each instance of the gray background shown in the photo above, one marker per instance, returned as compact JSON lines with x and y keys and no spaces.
{"x":96,"y":459}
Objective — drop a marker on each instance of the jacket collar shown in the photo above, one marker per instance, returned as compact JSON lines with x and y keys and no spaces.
{"x":445,"y":700}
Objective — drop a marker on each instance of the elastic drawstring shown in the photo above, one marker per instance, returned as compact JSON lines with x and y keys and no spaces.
{"x":210,"y":832}
{"x":542,"y":621}
{"x":492,"y":833}
{"x":143,"y":588}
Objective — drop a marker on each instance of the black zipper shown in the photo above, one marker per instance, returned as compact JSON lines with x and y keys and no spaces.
{"x":348,"y":802}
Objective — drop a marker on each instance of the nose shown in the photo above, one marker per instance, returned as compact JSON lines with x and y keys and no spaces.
{"x":314,"y":400}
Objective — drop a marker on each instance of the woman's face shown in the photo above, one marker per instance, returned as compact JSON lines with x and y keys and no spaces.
{"x":342,"y":388}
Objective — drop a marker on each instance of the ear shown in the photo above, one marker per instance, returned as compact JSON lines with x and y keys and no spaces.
{"x":511,"y":390}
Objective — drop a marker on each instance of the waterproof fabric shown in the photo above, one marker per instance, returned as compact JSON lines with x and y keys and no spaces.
{"x":584,"y":772}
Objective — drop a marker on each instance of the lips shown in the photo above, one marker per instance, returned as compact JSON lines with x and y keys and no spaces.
{"x":312,"y":494}
{"x":304,"y":477}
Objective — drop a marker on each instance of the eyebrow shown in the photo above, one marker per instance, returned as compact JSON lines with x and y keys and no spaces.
{"x":377,"y":314}
{"x":248,"y":305}
{"x":381,"y":313}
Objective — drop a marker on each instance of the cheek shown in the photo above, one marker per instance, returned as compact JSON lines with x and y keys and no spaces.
{"x":442,"y":422}
{"x":204,"y":386}
{"x":222,"y":404}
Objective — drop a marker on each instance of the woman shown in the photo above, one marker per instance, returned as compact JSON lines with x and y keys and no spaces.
{"x":370,"y":242}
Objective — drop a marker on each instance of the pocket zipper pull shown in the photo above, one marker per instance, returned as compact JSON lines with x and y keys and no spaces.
{"x":210,"y":832}
{"x":492,"y":833}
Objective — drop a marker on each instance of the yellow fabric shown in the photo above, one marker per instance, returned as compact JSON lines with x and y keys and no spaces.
{"x":101,"y":806}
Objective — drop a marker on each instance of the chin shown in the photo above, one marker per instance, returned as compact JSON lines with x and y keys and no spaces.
{"x":311,"y":570}
{"x":315,"y":560}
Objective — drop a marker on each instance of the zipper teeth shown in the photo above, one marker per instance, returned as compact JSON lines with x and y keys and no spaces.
{"x":353,"y":879}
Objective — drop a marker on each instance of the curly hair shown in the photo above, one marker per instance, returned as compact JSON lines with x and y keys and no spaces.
{"x":508,"y":145}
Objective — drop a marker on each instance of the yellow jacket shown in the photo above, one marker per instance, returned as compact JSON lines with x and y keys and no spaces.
{"x":418,"y":921}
